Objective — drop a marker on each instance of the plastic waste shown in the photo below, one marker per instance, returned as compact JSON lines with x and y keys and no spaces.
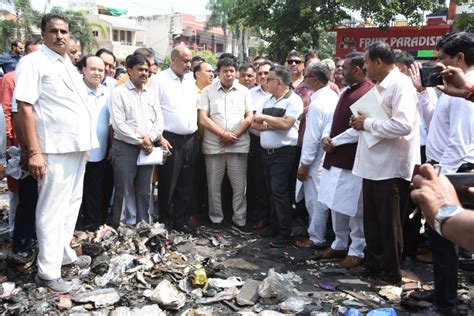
{"x":388,"y":311}
{"x":292,"y":305}
{"x":198,"y":277}
{"x":225,"y":283}
{"x":116,"y":271}
{"x":276,"y":285}
{"x":168,"y":296}
{"x":100,"y":297}
{"x":353,"y":312}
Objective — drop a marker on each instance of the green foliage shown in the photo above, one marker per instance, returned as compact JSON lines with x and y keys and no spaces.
{"x":209,"y":56}
{"x":301,"y":24}
{"x":81,"y":28}
{"x":465,"y":22}
{"x":7,"y":33}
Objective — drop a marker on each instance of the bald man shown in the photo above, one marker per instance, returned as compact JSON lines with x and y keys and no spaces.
{"x":176,"y":91}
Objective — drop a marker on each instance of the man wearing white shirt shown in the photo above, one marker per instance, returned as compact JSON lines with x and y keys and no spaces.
{"x":450,"y":145}
{"x":258,"y":204}
{"x":318,"y":118}
{"x":58,"y":131}
{"x":386,"y":167}
{"x":93,"y":211}
{"x":278,"y":125}
{"x":340,"y":190}
{"x":176,"y":92}
{"x":138,"y":123}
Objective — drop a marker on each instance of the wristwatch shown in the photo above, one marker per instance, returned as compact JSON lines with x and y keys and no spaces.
{"x":443,"y":213}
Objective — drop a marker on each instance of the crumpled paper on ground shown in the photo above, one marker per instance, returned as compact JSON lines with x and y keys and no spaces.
{"x":168,"y":296}
{"x":278,"y":285}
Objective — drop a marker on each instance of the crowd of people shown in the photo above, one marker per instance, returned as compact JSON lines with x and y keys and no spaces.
{"x":280,"y":143}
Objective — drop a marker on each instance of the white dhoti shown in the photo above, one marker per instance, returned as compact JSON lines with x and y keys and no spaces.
{"x":59,"y":200}
{"x":318,"y":212}
{"x":341,"y":191}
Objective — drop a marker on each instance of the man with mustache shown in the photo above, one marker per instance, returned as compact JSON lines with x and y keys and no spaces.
{"x":58,"y":132}
{"x":225,"y":111}
{"x":138,"y":123}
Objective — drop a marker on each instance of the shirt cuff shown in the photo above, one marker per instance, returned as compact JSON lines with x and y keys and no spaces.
{"x":368,"y":123}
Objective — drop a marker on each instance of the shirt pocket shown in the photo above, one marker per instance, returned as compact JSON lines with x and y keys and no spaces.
{"x":56,"y":83}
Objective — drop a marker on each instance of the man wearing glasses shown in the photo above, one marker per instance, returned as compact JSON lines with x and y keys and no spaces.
{"x":278,"y":124}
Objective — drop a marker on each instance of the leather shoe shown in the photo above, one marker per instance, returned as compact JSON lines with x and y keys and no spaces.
{"x":362,"y":271}
{"x":269,"y":232}
{"x":259,"y":224}
{"x":279,"y":242}
{"x":192,"y":221}
{"x":350,"y":262}
{"x":308,"y":244}
{"x":329,"y":253}
{"x":423,"y":295}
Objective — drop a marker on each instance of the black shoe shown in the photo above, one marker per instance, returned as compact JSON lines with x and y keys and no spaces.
{"x":280,"y":242}
{"x":408,"y":263}
{"x":269,"y":233}
{"x":244,"y":229}
{"x":184,"y":229}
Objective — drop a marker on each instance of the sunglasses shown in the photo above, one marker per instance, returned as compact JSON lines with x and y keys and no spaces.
{"x":294,"y":61}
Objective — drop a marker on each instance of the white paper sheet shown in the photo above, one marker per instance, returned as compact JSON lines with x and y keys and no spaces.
{"x":371,"y":104}
{"x":155,"y":158}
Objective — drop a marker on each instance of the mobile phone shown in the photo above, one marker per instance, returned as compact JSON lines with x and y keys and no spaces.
{"x":430,"y":77}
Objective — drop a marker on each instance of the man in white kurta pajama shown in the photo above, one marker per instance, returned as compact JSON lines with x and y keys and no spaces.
{"x":320,"y":112}
{"x":340,"y":190}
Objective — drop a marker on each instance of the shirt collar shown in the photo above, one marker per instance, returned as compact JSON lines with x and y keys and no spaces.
{"x":219,"y":86}
{"x":100,"y":93}
{"x":52,"y":55}
{"x":317,"y":92}
{"x":389,"y":78}
{"x":285,"y":96}
{"x":131,"y":86}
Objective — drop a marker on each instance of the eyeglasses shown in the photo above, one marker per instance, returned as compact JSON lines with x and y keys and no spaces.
{"x":294,"y":61}
{"x":309,"y":77}
{"x":270,"y":79}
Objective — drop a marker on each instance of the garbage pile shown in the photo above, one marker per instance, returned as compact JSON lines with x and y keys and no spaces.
{"x":146,"y":270}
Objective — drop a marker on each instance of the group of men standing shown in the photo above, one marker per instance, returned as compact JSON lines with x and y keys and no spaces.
{"x":276,"y":125}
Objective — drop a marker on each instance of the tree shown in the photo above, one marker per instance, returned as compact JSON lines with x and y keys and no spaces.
{"x":208,"y":56}
{"x":82,"y":28}
{"x":8,"y":33}
{"x":287,"y":24}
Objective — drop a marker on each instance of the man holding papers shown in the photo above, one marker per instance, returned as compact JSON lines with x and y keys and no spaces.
{"x":386,"y":166}
{"x":337,"y":180}
{"x":138,"y":123}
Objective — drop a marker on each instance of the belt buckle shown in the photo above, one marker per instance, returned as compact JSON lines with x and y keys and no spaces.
{"x":270,"y":151}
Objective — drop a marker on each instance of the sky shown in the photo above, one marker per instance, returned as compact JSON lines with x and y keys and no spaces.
{"x":140,"y":7}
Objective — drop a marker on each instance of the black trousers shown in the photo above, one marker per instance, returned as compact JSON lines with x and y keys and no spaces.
{"x":93,"y":209}
{"x":176,"y":180}
{"x":445,"y":264}
{"x":24,"y":231}
{"x":258,"y":202}
{"x":385,"y":203}
{"x":278,"y":167}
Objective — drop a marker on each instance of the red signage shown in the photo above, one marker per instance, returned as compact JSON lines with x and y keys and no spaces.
{"x":404,"y":38}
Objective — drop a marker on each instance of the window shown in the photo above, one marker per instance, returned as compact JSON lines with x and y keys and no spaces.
{"x":115,"y":36}
{"x":95,"y":33}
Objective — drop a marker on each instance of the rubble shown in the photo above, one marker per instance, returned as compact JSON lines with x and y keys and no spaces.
{"x":147,"y":270}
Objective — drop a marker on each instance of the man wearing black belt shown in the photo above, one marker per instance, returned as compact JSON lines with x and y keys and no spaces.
{"x":449,"y":144}
{"x":278,"y":123}
{"x":176,"y":92}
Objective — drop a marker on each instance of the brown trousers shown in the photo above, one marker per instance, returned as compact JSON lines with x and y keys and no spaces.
{"x":385,"y":203}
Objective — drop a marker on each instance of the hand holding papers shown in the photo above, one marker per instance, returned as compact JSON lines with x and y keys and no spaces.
{"x":157,"y":157}
{"x":371,"y":105}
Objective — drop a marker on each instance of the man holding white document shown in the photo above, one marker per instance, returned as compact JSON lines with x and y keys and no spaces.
{"x":386,"y":155}
{"x":138,"y":123}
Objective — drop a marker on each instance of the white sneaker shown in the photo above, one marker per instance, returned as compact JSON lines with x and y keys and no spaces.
{"x":56,"y":285}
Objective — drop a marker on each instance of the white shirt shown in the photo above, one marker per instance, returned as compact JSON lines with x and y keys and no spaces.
{"x":450,"y":139}
{"x":399,"y":150}
{"x":227,"y":109}
{"x":134,"y":115}
{"x":319,"y":117}
{"x":259,"y":97}
{"x":427,"y":98}
{"x":292,"y":105}
{"x":177,"y":99}
{"x":53,"y":86}
{"x":99,"y":103}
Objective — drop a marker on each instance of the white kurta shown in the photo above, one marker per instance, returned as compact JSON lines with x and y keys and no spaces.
{"x":319,"y":116}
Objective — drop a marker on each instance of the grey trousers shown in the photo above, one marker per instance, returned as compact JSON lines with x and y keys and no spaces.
{"x":236,"y":166}
{"x":132,"y":199}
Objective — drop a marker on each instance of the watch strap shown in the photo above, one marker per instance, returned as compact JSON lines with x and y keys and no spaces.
{"x":438,"y":222}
